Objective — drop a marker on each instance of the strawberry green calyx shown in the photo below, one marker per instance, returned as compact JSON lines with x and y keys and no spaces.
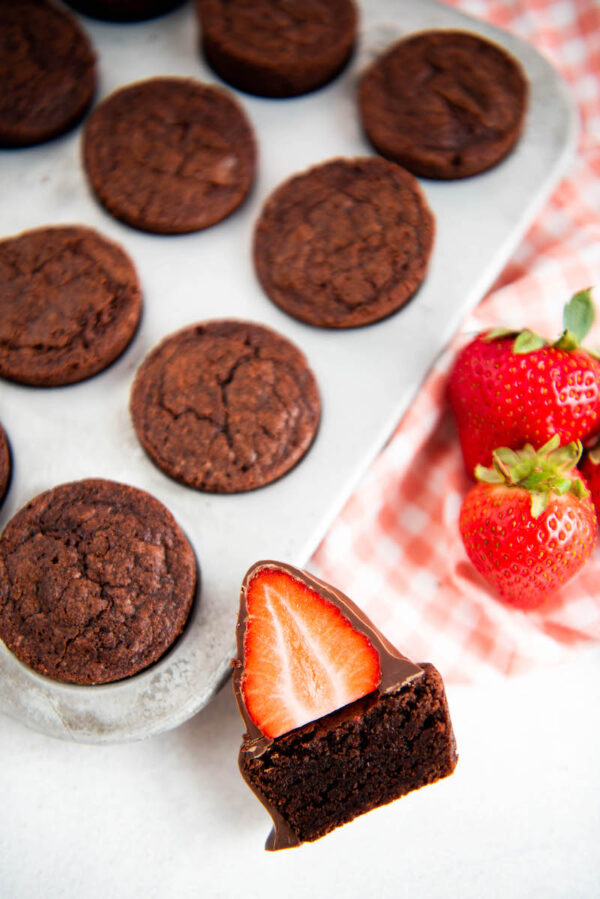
{"x":578,"y":317}
{"x":527,"y":342}
{"x":543,"y":473}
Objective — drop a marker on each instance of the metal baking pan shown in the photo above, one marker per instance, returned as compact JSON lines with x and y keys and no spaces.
{"x":367,"y":376}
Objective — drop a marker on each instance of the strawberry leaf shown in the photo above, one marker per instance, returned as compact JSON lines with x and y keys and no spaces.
{"x":527,"y":342}
{"x":551,"y":445}
{"x":579,"y":489}
{"x":563,"y":486}
{"x":497,"y":333}
{"x":507,"y":456}
{"x":544,"y":473}
{"x":567,"y":341}
{"x":579,"y":315}
{"x":566,"y":457}
{"x":488,"y":475}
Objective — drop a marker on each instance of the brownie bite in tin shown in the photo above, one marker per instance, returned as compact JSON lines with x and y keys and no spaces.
{"x":70,"y":304}
{"x":124,"y":10}
{"x":225,"y":406}
{"x":444,"y":104}
{"x":5,"y":464}
{"x":170,"y":155}
{"x":47,"y":72}
{"x":97,"y":581}
{"x":344,"y":244}
{"x":277,"y":48}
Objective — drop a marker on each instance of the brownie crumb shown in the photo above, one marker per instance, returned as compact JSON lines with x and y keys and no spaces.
{"x":373,"y":751}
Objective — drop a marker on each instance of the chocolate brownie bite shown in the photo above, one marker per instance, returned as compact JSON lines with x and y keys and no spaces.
{"x":371,"y":752}
{"x":277,"y":49}
{"x":344,"y":244}
{"x":444,"y":104}
{"x":70,"y":303}
{"x":225,"y":406}
{"x":47,"y":72}
{"x":97,"y":581}
{"x":5,"y":464}
{"x":124,"y":10}
{"x":169,"y":155}
{"x":338,"y":721}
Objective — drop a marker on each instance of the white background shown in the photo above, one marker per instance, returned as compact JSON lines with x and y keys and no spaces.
{"x":172,"y":818}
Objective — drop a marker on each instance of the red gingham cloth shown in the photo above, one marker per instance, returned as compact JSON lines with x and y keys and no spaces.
{"x":395,"y":548}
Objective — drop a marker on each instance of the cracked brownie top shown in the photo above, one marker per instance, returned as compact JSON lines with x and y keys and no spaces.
{"x":169,"y":155}
{"x":345,"y":243}
{"x":444,"y":104}
{"x":70,"y":303}
{"x":96,"y":582}
{"x":47,"y":72}
{"x":225,"y":406}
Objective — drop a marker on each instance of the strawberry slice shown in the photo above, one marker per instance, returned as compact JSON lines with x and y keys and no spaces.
{"x":302,"y":657}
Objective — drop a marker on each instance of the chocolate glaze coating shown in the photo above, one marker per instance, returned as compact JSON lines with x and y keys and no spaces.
{"x":47,"y":72}
{"x":276,"y":49}
{"x":444,"y":104}
{"x":5,"y":464}
{"x":96,"y":582}
{"x":344,"y":244}
{"x":70,"y":303}
{"x":396,"y":669}
{"x":225,"y":406}
{"x":169,"y":155}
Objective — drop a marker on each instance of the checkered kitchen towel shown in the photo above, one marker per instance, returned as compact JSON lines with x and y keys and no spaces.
{"x":395,"y":547}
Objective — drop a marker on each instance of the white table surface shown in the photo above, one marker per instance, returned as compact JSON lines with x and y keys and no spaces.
{"x":171,"y":816}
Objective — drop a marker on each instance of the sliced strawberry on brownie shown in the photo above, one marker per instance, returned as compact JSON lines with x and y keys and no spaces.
{"x":303,"y":658}
{"x":338,"y":721}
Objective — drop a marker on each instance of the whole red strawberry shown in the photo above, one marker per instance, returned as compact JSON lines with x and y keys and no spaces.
{"x":529,"y":525}
{"x":508,"y":388}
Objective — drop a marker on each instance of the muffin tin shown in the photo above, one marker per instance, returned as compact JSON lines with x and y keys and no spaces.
{"x":367,"y":376}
